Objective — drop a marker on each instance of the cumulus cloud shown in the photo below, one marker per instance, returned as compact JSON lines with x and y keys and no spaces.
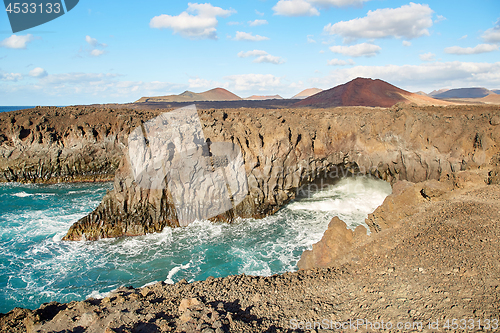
{"x":358,"y":50}
{"x":97,"y":48}
{"x":306,"y":7}
{"x":406,"y":43}
{"x":427,"y":56}
{"x":426,"y":76}
{"x":338,"y":62}
{"x":254,"y":53}
{"x":338,"y":3}
{"x":492,"y":35}
{"x":261,"y":56}
{"x":93,"y":42}
{"x":83,"y":88}
{"x":38,"y":72}
{"x":17,"y":42}
{"x":257,"y":22}
{"x":260,"y":82}
{"x":295,"y":8}
{"x":10,"y":76}
{"x":96,"y":52}
{"x":408,"y":21}
{"x":201,"y":25}
{"x":203,"y":83}
{"x":310,"y":39}
{"x":481,"y":48}
{"x":247,"y":36}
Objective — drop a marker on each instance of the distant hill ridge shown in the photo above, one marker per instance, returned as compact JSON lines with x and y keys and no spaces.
{"x":366,"y":92}
{"x":216,"y":94}
{"x":262,"y":98}
{"x":307,"y":93}
{"x":464,"y":93}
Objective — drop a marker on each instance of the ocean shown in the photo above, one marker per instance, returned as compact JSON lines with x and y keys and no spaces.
{"x":37,"y":267}
{"x":14,"y":108}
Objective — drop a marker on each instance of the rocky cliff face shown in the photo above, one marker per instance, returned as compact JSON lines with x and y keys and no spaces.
{"x":405,"y":211}
{"x":285,"y":149}
{"x":50,"y":144}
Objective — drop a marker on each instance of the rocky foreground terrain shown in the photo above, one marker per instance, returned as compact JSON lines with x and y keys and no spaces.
{"x":434,"y":258}
{"x":432,"y":255}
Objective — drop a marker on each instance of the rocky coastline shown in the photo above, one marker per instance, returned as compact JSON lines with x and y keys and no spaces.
{"x":432,"y":255}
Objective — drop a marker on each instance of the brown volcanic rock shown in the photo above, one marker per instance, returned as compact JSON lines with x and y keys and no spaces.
{"x":52,"y":144}
{"x":366,"y":92}
{"x":437,"y":264}
{"x":284,"y":149}
{"x":358,"y":92}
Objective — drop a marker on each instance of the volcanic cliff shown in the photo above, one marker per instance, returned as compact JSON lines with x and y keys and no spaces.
{"x":284,"y":149}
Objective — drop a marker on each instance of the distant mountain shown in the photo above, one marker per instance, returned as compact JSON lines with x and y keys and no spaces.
{"x":262,"y":98}
{"x":306,"y":93}
{"x":217,"y":94}
{"x":421,"y":93}
{"x":464,"y":93}
{"x":496,"y":91}
{"x":437,"y":92}
{"x":491,"y":99}
{"x":366,"y":92}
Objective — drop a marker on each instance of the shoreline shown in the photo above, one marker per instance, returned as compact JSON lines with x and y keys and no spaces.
{"x":433,"y":259}
{"x":400,"y":275}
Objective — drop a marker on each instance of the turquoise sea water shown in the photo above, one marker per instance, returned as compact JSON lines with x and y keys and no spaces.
{"x":37,"y":267}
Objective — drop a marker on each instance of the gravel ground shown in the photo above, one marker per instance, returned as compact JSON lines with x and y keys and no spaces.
{"x":437,"y":270}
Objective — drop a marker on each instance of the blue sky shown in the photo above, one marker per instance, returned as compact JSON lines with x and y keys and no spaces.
{"x":110,"y":51}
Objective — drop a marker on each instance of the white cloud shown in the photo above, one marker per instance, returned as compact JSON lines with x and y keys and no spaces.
{"x":306,"y":7}
{"x":463,"y":37}
{"x":81,"y":88}
{"x":406,"y":43}
{"x":249,"y":37}
{"x":260,"y":82}
{"x":408,"y":21}
{"x":338,"y":62}
{"x":358,"y":50}
{"x":201,"y":25}
{"x":257,"y":22}
{"x":78,"y":78}
{"x":10,"y":76}
{"x":295,"y":8}
{"x":269,"y":59}
{"x":254,"y":53}
{"x":96,"y":52}
{"x":17,"y":42}
{"x":259,"y":13}
{"x":492,"y":35}
{"x":203,"y":83}
{"x":426,"y":76}
{"x":97,"y":47}
{"x":338,"y":3}
{"x":93,"y":42}
{"x":261,"y":56}
{"x":481,"y":48}
{"x":38,"y":72}
{"x":310,"y":39}
{"x":439,"y":18}
{"x":427,"y":56}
